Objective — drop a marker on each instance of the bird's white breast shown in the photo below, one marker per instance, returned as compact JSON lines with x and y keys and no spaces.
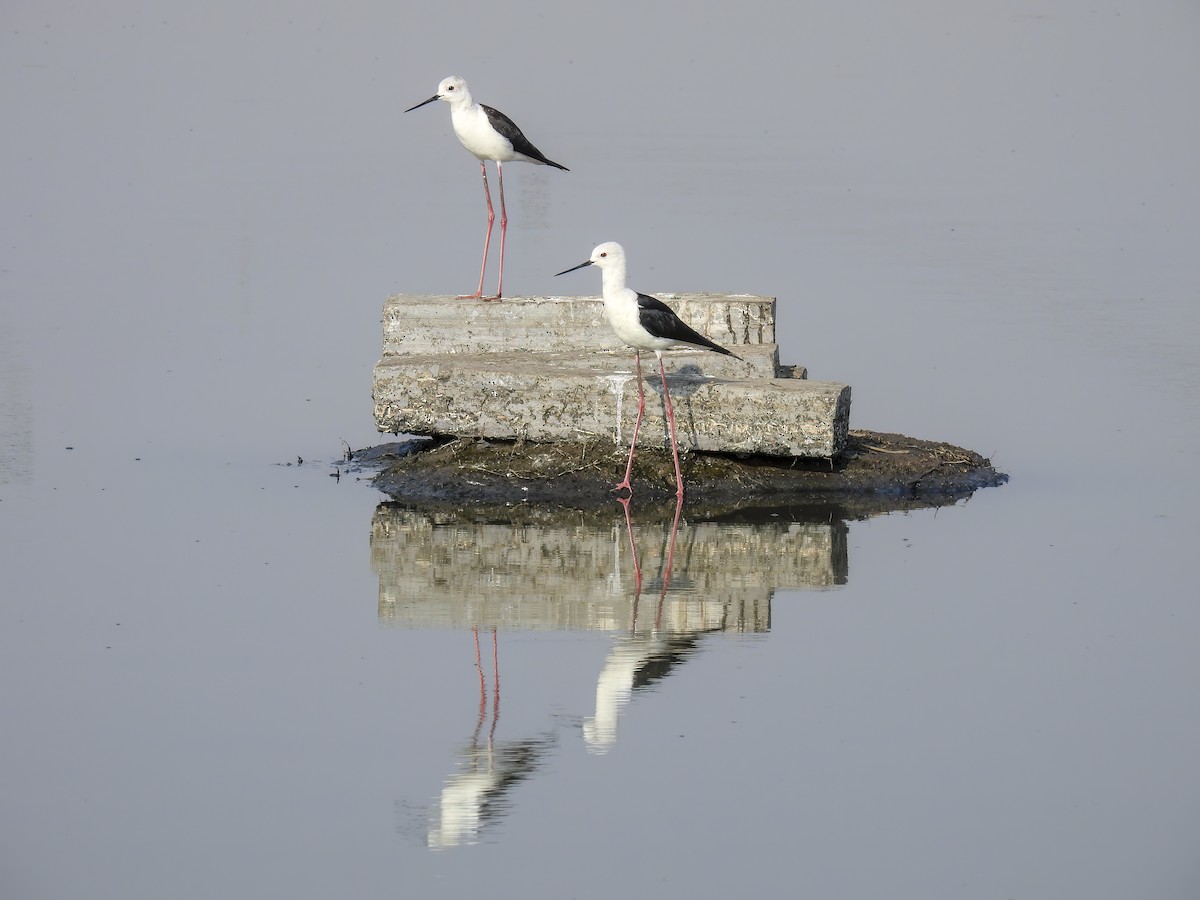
{"x":622,"y":311}
{"x":477,"y":135}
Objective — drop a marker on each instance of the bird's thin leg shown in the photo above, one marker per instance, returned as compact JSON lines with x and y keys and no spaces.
{"x":671,"y":424}
{"x":637,"y":423}
{"x":487,"y":237}
{"x":503,"y":227}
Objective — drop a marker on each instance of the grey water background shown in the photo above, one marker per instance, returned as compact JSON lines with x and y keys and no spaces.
{"x":982,"y":216}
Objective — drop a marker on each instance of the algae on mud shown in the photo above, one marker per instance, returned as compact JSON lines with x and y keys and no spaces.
{"x":876,"y":472}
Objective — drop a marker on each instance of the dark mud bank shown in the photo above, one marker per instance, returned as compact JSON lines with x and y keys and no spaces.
{"x":876,"y":471}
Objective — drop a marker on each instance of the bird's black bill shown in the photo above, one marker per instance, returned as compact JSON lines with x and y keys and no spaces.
{"x":573,"y":268}
{"x":423,"y":102}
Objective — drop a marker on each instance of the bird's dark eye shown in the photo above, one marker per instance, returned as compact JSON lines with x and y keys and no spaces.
{"x":602,"y":255}
{"x":450,"y":88}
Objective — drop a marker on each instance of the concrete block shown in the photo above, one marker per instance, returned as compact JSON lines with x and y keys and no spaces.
{"x":570,"y":398}
{"x":551,"y":369}
{"x":427,"y":323}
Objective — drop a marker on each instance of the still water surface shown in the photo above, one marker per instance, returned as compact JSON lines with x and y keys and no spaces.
{"x":230,"y":674}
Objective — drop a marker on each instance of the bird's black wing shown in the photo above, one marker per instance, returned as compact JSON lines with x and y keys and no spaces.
{"x":508,"y":128}
{"x":660,"y":320}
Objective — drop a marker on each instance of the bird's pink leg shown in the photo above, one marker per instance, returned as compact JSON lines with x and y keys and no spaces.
{"x":503,"y":227}
{"x":487,"y":238}
{"x":671,"y":425}
{"x":637,"y":423}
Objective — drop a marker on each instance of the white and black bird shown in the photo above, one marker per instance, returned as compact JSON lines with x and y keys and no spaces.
{"x":644,"y":323}
{"x":488,"y":134}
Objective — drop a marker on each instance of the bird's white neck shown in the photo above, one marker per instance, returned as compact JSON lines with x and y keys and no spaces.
{"x":612,"y":281}
{"x":462,"y":99}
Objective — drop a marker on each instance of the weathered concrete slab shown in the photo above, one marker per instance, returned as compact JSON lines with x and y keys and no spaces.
{"x":755,"y":360}
{"x":429,"y":323}
{"x":550,"y":369}
{"x":540,"y":397}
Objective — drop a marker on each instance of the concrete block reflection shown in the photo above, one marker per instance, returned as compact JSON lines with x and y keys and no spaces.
{"x":440,"y":571}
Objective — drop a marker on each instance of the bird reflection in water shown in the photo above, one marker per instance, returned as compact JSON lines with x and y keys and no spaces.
{"x":476,"y":795}
{"x":642,"y":657}
{"x":657,"y":632}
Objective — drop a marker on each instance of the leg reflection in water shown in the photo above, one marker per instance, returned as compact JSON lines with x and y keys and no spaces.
{"x":476,"y":795}
{"x":483,"y":686}
{"x":642,"y":657}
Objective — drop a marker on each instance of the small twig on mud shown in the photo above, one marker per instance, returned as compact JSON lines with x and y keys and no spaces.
{"x":576,"y":469}
{"x":924,"y":475}
{"x":500,"y":474}
{"x":947,"y":456}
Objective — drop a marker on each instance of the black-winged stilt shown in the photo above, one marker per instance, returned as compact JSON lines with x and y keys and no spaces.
{"x":644,"y":323}
{"x":488,"y":134}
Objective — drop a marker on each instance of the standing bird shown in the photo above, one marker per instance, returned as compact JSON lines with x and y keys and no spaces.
{"x":489,"y":134}
{"x":644,"y":323}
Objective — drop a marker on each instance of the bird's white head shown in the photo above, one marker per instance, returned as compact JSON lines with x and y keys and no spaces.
{"x":609,"y":257}
{"x":452,"y":89}
{"x":610,"y":254}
